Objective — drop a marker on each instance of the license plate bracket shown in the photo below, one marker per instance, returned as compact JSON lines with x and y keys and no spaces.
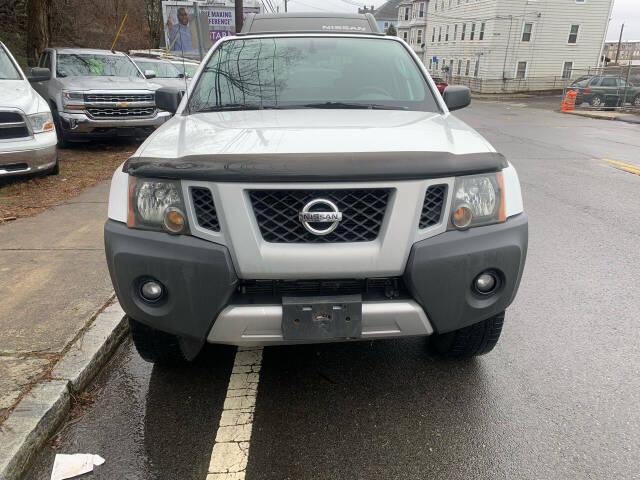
{"x":322,"y":318}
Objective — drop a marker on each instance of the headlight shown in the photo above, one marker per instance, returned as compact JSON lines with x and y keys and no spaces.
{"x":477,"y":200}
{"x":73,"y":100}
{"x":41,"y":122}
{"x":156,"y":204}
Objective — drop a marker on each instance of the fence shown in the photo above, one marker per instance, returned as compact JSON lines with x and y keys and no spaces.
{"x":610,"y":88}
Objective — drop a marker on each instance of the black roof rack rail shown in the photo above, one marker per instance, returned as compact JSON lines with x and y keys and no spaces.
{"x":261,"y":24}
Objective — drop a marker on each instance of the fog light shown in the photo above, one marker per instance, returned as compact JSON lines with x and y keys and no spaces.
{"x":174,"y":220}
{"x":485,"y":283}
{"x":151,"y":290}
{"x":462,"y":217}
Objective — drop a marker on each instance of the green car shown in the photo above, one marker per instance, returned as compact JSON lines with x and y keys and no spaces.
{"x":608,"y":91}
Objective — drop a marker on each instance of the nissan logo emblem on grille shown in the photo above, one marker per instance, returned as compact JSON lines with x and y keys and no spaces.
{"x":308,"y":217}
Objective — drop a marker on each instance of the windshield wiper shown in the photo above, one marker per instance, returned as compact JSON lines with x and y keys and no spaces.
{"x":231,"y":106}
{"x":362,"y":106}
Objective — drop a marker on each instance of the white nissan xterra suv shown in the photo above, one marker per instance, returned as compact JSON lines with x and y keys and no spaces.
{"x":313,"y":186}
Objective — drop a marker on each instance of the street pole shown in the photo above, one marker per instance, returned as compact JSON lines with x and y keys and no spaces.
{"x":239,"y":15}
{"x":285,"y":5}
{"x":619,"y":44}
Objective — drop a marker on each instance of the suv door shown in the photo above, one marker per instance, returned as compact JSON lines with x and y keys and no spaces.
{"x":610,"y":89}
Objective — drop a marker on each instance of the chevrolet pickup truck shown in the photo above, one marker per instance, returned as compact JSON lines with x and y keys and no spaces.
{"x":97,"y":94}
{"x":313,"y":186}
{"x":27,"y":134}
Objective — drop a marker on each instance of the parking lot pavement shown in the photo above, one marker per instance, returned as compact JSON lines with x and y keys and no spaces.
{"x":557,"y":398}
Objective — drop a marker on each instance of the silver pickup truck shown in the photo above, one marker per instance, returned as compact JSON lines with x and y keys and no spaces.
{"x":97,"y":93}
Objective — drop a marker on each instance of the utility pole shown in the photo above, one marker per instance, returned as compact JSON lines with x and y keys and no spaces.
{"x":285,"y":5}
{"x":239,"y":15}
{"x":619,"y":44}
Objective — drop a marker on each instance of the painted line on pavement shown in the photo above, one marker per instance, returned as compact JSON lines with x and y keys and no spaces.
{"x":627,"y":167}
{"x":230,"y":452}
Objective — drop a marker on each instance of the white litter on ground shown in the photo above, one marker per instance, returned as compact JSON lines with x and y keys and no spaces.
{"x":69,"y":466}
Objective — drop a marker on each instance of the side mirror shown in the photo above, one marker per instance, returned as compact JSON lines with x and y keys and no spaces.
{"x":457,"y":97}
{"x":148,"y":74}
{"x":37,"y":74}
{"x":168,"y":98}
{"x":181,"y":75}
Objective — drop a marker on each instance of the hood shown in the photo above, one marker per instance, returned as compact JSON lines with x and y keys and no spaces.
{"x":313,"y":131}
{"x":104,"y":83}
{"x":313,"y":144}
{"x":178,"y":83}
{"x":19,"y":94}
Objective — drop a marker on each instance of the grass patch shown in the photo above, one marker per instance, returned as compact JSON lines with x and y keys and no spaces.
{"x":81,"y":166}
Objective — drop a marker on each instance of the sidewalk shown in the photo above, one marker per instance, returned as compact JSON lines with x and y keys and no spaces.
{"x":606,"y":115}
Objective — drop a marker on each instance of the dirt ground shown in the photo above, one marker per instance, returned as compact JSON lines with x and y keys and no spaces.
{"x":81,"y":166}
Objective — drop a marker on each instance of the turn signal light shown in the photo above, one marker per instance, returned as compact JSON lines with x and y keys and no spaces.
{"x":174,"y":220}
{"x":462,"y":217}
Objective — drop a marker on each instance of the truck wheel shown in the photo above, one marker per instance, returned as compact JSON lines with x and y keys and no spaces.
{"x":62,"y":139}
{"x":162,"y":348}
{"x":636,"y":101}
{"x":56,"y":169}
{"x":477,"y":339}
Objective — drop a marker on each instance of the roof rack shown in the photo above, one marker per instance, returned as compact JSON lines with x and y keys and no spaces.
{"x":259,"y":24}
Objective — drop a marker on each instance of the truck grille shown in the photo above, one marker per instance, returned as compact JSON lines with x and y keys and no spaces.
{"x":107,"y":112}
{"x":118,"y":97}
{"x":390,"y":287}
{"x":277,"y":212}
{"x":12,"y":125}
{"x":206,"y":214}
{"x":433,"y":207}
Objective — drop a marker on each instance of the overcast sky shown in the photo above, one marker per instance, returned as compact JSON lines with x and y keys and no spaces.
{"x":627,"y":11}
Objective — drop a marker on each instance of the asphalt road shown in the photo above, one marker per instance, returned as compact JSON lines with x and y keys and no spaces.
{"x":557,"y":399}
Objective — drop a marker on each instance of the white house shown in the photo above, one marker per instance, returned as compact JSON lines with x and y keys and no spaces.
{"x":412,"y":23}
{"x":514,"y":45}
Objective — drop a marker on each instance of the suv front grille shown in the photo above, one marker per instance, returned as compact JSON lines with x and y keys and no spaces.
{"x":205,"y":208}
{"x":276,"y":211}
{"x":118,"y":97}
{"x":107,"y":112}
{"x":12,"y":125}
{"x":433,"y":207}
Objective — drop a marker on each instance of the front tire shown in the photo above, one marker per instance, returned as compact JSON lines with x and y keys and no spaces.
{"x":62,"y":139}
{"x":636,"y":101}
{"x":471,"y":341}
{"x":56,"y":169}
{"x":163,"y":348}
{"x":597,"y":101}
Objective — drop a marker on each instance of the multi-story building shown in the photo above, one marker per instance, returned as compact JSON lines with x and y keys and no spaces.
{"x":387,"y":15}
{"x":514,"y":45}
{"x":629,"y":52}
{"x":412,"y":23}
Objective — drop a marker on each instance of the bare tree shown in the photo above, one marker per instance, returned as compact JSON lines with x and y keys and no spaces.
{"x":154,"y":21}
{"x":38,"y":28}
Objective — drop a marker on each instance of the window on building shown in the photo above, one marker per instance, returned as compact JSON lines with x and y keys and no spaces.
{"x":430,"y":63}
{"x":455,"y":32}
{"x":466,"y":70}
{"x":421,"y":14}
{"x":521,"y":71}
{"x":476,"y":68}
{"x":482,"y":28}
{"x":386,"y":25}
{"x":459,"y":67}
{"x":473,"y":31}
{"x":419,"y":37}
{"x":526,"y":32}
{"x":405,"y":36}
{"x":573,"y":34}
{"x":446,"y":35}
{"x":406,"y":13}
{"x":566,"y":69}
{"x":433,"y":35}
{"x":450,"y":67}
{"x":464,"y":31}
{"x":440,"y":34}
{"x":435,"y":6}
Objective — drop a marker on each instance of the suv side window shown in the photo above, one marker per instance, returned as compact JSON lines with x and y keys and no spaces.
{"x":595,"y":82}
{"x":45,"y":60}
{"x":609,"y":82}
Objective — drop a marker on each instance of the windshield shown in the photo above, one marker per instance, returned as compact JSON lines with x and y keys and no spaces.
{"x":161,"y":69}
{"x":8,"y":70}
{"x":311,"y":72}
{"x":189,"y":69}
{"x":90,"y":65}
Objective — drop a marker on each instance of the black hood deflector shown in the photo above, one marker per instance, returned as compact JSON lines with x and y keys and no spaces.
{"x":316,"y":167}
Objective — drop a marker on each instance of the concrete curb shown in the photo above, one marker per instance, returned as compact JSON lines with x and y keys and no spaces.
{"x":39,"y":413}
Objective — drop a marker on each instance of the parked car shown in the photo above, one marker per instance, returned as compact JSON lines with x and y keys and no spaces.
{"x":165,"y":73}
{"x":608,"y":91}
{"x":187,"y":67}
{"x":440,"y":84}
{"x":27,"y":133}
{"x":314,"y":188}
{"x":97,"y":94}
{"x":581,"y":81}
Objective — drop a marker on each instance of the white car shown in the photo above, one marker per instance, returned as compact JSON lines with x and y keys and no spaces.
{"x":27,"y":133}
{"x":313,"y":186}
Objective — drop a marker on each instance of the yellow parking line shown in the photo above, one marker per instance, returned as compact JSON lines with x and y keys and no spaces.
{"x":627,"y":167}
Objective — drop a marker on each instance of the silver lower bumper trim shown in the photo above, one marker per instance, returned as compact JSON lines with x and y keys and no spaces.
{"x":34,"y":160}
{"x":260,"y":325}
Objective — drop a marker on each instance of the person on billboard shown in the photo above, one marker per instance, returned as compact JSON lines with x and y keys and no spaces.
{"x":180,"y":33}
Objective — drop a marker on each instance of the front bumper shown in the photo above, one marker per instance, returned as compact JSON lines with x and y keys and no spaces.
{"x":81,"y":125}
{"x":32,"y":160}
{"x":200,"y":279}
